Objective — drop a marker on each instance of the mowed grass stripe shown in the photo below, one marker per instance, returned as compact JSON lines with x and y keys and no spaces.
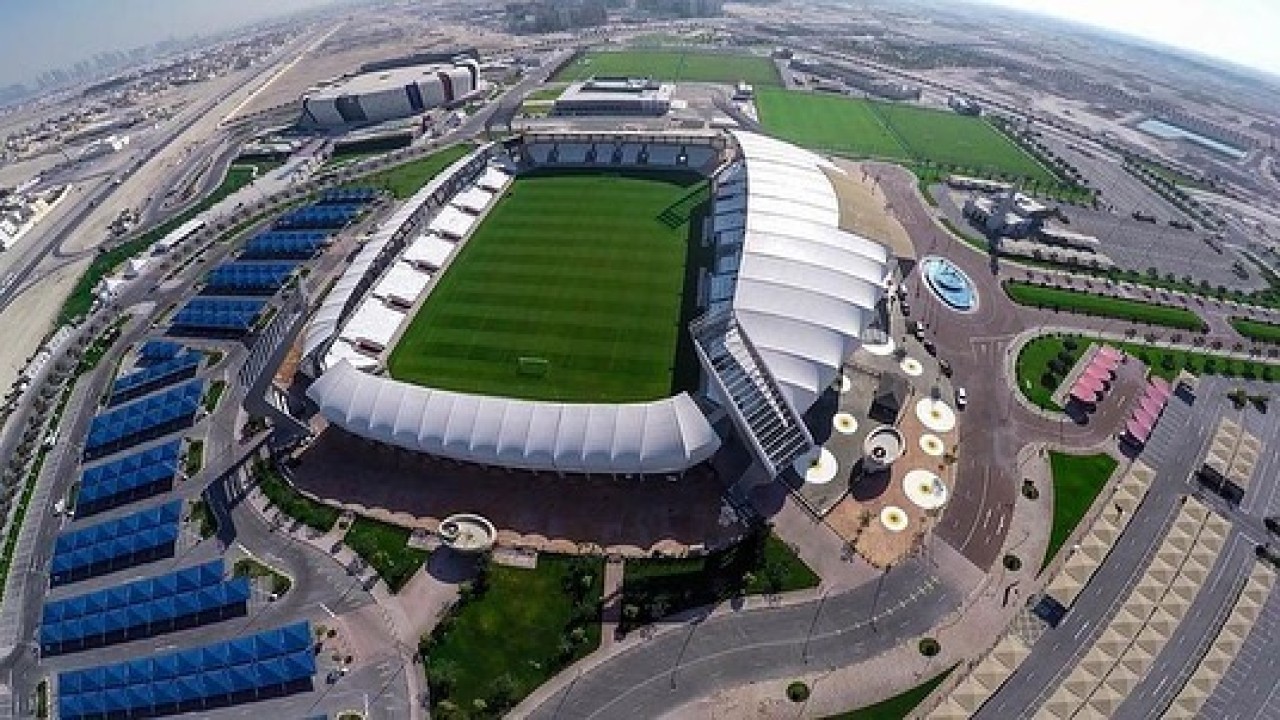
{"x":675,"y":66}
{"x":892,"y":131}
{"x":583,"y":270}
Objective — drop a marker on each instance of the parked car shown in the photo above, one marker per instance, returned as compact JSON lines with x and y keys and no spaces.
{"x":945,"y":367}
{"x":962,"y":398}
{"x":917,"y":329}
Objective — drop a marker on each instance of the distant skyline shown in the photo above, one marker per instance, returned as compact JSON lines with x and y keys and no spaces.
{"x":1245,"y":32}
{"x":40,"y":35}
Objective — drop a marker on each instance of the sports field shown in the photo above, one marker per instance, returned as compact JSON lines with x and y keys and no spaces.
{"x":674,"y":65}
{"x":893,"y":132}
{"x":572,"y":289}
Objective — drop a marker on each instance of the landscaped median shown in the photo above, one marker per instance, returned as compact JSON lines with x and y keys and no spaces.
{"x":1256,"y":329}
{"x":1077,"y":480}
{"x":1044,"y":362}
{"x":1052,"y":298}
{"x":386,"y":548}
{"x":280,"y":493}
{"x":897,"y":707}
{"x":512,"y":630}
{"x":761,"y":563}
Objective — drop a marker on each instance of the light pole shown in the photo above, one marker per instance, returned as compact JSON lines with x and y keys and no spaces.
{"x":804,"y":655}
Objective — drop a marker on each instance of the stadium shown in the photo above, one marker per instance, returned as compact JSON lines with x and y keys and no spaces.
{"x":599,"y":304}
{"x":391,"y":94}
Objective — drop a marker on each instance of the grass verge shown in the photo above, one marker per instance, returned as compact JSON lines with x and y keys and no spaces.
{"x":203,"y":515}
{"x":1257,"y":330}
{"x":404,"y":180}
{"x":1077,"y":480}
{"x":675,"y":66}
{"x":1089,"y":304}
{"x":80,"y":300}
{"x":386,"y":548}
{"x":251,"y":568}
{"x":761,"y":563}
{"x":511,"y":631}
{"x":1043,"y":364}
{"x":313,"y":514}
{"x":213,"y":395}
{"x":194,"y":461}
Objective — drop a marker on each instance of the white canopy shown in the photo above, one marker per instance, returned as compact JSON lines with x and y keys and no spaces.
{"x":431,"y":251}
{"x":452,"y":223}
{"x":402,"y":283}
{"x":473,"y":200}
{"x":805,"y":288}
{"x":665,"y":436}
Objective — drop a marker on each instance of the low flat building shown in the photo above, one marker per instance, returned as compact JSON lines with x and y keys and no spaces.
{"x":616,"y":96}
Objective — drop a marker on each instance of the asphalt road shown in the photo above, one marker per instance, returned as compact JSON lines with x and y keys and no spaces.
{"x":690,"y":662}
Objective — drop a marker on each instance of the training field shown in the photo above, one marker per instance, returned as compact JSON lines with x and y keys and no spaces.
{"x":893,"y":132}
{"x":675,"y":66}
{"x":572,"y":289}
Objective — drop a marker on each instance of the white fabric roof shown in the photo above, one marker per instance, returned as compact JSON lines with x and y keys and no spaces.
{"x":344,"y":351}
{"x":432,"y":251}
{"x":452,"y":222}
{"x":402,"y":282}
{"x":373,"y":322}
{"x":473,"y":200}
{"x":805,"y":288}
{"x":323,"y":325}
{"x":664,"y":436}
{"x":494,"y":178}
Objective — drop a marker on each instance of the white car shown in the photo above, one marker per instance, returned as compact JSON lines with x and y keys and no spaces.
{"x":962,"y":398}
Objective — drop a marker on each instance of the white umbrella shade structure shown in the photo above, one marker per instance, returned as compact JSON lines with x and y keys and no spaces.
{"x":932,"y":445}
{"x":925,"y":489}
{"x":844,"y":423}
{"x":881,"y":349}
{"x":817,"y":468}
{"x":894,"y":519}
{"x":911,"y":366}
{"x":936,"y":415}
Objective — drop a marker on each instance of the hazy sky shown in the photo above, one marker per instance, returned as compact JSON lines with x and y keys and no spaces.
{"x":1243,"y":31}
{"x":36,"y":35}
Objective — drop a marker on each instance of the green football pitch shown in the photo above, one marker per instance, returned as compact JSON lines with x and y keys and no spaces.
{"x":676,"y":66}
{"x":893,"y":132}
{"x":573,"y":288}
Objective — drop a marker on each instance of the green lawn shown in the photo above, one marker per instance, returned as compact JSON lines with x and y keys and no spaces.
{"x":1042,"y":365}
{"x":203,"y":516}
{"x":674,"y":65}
{"x":1077,"y":480}
{"x":897,"y":707}
{"x":827,"y":122}
{"x":546,"y":93}
{"x":404,"y":180}
{"x":291,"y":502}
{"x":517,"y":630}
{"x":1101,"y":306}
{"x":1257,"y":330}
{"x":560,"y":296}
{"x":960,"y":140}
{"x":762,"y":563}
{"x":251,"y":568}
{"x":81,"y":297}
{"x":386,"y":548}
{"x":868,"y":128}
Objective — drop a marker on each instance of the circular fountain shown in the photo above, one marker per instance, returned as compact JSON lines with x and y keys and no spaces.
{"x":925,"y":489}
{"x":949,"y":283}
{"x":467,"y":533}
{"x":882,"y":447}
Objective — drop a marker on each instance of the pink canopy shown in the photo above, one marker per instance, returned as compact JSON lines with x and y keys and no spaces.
{"x":1097,"y":372}
{"x":1084,"y":395}
{"x":1151,"y":404}
{"x":1110,"y":353}
{"x":1161,"y":387}
{"x":1138,"y":430}
{"x":1144,"y":416}
{"x":1085,"y":382}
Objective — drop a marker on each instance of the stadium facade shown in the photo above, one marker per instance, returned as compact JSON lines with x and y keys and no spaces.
{"x":390,"y":94}
{"x":787,"y":298}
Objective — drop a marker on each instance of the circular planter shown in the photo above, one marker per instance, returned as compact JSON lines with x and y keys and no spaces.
{"x":1012,"y":563}
{"x":797,"y":692}
{"x":929,"y":647}
{"x":1030,"y":491}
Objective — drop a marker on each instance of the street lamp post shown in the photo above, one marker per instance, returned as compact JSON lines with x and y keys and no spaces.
{"x":804,"y":655}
